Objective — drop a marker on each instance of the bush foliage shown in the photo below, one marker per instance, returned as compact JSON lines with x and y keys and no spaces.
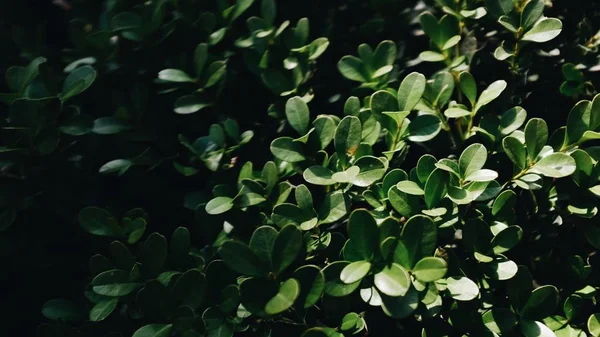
{"x":301,"y":168}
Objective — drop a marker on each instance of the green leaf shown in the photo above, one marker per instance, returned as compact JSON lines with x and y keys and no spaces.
{"x":436,"y":187}
{"x":353,"y":68}
{"x":531,"y":13}
{"x":593,"y":325}
{"x":410,"y":91}
{"x":456,"y":113}
{"x":347,"y":137}
{"x":405,"y":204}
{"x":579,"y":121}
{"x":535,"y":329}
{"x":490,"y":93}
{"x":268,"y":11}
{"x":321,"y":332}
{"x":189,"y":104}
{"x":334,"y":285}
{"x":419,"y":235}
{"x":425,"y":165}
{"x":286,"y":149}
{"x":241,"y":259}
{"x":174,"y":75}
{"x":189,"y":289}
{"x":393,"y":280}
{"x":200,"y":57}
{"x":304,"y":197}
{"x":61,"y":309}
{"x":511,"y":120}
{"x":102,"y":309}
{"x":113,"y":283}
{"x":371,"y":170}
{"x":117,"y":165}
{"x":430,"y":269}
{"x":154,"y":330}
{"x":468,"y":86}
{"x":383,"y":101}
{"x":286,"y":247}
{"x":363,"y":228}
{"x":99,"y":222}
{"x":472,"y":159}
{"x":153,"y":255}
{"x":536,"y":137}
{"x":544,"y":30}
{"x":573,"y":306}
{"x":516,"y":152}
{"x":324,"y":130}
{"x":541,"y":303}
{"x":482,"y":175}
{"x":219,"y":205}
{"x":77,"y":82}
{"x":451,"y":42}
{"x":506,"y":239}
{"x":317,"y":48}
{"x":556,"y":165}
{"x":431,"y":56}
{"x":347,"y":175}
{"x":402,"y":306}
{"x":355,"y":271}
{"x":410,"y":187}
{"x":319,"y":175}
{"x":499,"y":320}
{"x":462,"y":288}
{"x":262,"y":241}
{"x":334,"y":207}
{"x":312,"y":284}
{"x":424,"y":128}
{"x":297,"y":114}
{"x":431,"y":27}
{"x":285,"y":298}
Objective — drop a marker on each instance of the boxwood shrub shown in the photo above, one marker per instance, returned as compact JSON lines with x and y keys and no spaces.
{"x":301,"y":168}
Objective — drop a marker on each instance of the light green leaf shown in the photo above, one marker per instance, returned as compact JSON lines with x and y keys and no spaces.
{"x":410,"y":187}
{"x":347,"y":137}
{"x":319,"y":175}
{"x":556,"y":165}
{"x":355,"y":271}
{"x":354,"y":69}
{"x":297,"y":114}
{"x":431,"y":56}
{"x":393,"y":280}
{"x":372,"y":169}
{"x":430,"y":269}
{"x":482,"y":175}
{"x":286,"y":149}
{"x":462,"y":288}
{"x":544,"y":30}
{"x":174,"y":75}
{"x":285,"y":298}
{"x":410,"y":91}
{"x":491,"y":93}
{"x":219,"y":205}
{"x":472,"y":159}
{"x":593,"y":325}
{"x":535,"y":329}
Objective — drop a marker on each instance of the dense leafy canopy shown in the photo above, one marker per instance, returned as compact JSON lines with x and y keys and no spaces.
{"x":302,"y":168}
